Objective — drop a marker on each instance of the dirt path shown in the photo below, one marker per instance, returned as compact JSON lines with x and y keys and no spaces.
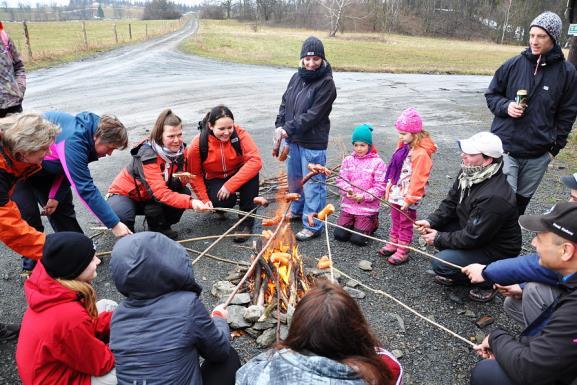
{"x":136,"y":82}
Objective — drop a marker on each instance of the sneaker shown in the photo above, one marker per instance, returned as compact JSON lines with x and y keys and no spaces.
{"x":444,"y":281}
{"x":478,"y":294}
{"x":9,"y":332}
{"x":306,"y":234}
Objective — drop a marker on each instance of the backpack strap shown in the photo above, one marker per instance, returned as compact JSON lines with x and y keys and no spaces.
{"x":203,"y":143}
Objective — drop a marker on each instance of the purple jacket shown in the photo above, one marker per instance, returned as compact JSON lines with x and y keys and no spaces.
{"x":368,"y":172}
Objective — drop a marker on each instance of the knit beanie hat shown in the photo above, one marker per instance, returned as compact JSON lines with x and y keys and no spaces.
{"x":409,"y":121}
{"x":67,"y":254}
{"x":551,"y":23}
{"x":312,"y":46}
{"x":363,"y":133}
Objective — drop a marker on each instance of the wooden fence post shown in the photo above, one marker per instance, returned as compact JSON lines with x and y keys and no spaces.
{"x":115,"y":34}
{"x":130,"y":30}
{"x":84,"y":34}
{"x":27,"y":39}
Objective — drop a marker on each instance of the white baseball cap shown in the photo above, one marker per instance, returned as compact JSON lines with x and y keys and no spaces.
{"x":484,"y":143}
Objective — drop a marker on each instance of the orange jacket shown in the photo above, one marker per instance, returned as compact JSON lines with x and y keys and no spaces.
{"x":421,"y":165}
{"x":223,"y":162}
{"x":146,"y":162}
{"x":14,"y":231}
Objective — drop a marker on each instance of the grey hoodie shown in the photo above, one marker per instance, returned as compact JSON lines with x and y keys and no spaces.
{"x":159,"y":331}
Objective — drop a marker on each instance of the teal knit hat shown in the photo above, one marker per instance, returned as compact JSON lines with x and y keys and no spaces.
{"x":363,"y":133}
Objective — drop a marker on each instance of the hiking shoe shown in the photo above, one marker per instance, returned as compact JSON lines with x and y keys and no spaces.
{"x":478,"y":294}
{"x":9,"y":332}
{"x":306,"y":234}
{"x":444,"y":281}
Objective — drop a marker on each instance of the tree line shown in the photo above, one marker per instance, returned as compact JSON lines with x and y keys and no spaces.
{"x":501,"y":21}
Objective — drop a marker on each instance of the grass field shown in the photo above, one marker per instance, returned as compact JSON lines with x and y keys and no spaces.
{"x":57,"y":42}
{"x":368,"y":52}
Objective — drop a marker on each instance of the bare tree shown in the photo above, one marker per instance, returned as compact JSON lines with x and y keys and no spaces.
{"x":335,"y":11}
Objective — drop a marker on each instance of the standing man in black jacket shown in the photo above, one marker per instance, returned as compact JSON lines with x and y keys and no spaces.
{"x":477,"y":221}
{"x":549,"y":358}
{"x":533,"y":131}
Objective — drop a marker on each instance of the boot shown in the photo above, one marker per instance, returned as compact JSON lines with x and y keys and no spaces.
{"x":388,"y":249}
{"x":399,"y":257}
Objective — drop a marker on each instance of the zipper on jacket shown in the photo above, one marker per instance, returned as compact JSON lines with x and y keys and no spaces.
{"x":223,"y":160}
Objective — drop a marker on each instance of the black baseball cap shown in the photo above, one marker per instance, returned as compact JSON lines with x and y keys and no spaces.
{"x":561,"y":220}
{"x":570,"y":181}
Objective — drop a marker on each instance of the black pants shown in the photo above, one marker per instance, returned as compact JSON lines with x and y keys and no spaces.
{"x":31,"y":193}
{"x":246,"y":193}
{"x":158,"y":215}
{"x":221,"y":373}
{"x":10,"y":110}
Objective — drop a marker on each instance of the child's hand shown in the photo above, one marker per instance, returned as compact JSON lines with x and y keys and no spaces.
{"x":405,"y":206}
{"x":358,"y":198}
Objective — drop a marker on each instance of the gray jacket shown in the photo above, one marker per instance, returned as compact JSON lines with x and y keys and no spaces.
{"x":286,"y":367}
{"x":159,"y":331}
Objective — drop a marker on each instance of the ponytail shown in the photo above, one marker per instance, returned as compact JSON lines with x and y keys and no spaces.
{"x":166,"y":118}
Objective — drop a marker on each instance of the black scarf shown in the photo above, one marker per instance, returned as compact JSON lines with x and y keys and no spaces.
{"x":310,"y":76}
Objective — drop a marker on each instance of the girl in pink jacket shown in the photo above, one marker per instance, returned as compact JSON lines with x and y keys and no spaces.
{"x":365,"y":169}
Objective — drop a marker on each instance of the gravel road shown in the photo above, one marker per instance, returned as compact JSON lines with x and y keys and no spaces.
{"x":138,"y":81}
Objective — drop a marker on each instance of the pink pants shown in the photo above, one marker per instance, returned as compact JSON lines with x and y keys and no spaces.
{"x":366,"y":224}
{"x":401,"y":226}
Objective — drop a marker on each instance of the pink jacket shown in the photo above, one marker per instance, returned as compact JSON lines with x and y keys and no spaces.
{"x":367,"y":172}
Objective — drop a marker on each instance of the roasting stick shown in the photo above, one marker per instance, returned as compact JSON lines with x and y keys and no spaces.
{"x":323,"y":215}
{"x":240,"y":212}
{"x":407,"y":307}
{"x":392,"y":243}
{"x":224,"y":235}
{"x":238,"y":263}
{"x":255,"y":261}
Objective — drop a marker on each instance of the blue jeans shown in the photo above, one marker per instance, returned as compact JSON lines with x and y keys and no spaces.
{"x":314,"y":192}
{"x":461,"y":258}
{"x":489,"y":372}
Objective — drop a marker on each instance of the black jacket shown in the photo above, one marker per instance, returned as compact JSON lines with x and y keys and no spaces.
{"x":487,"y":218}
{"x":552,"y":103}
{"x":305,"y":108}
{"x":550,"y":358}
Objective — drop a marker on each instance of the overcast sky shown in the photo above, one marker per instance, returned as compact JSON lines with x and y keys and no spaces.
{"x":32,"y":3}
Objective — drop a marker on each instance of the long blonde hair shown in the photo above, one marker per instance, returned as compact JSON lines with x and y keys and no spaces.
{"x":86,"y":294}
{"x":418,"y":137}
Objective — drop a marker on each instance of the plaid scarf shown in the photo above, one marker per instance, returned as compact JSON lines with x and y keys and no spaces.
{"x":471,"y":175}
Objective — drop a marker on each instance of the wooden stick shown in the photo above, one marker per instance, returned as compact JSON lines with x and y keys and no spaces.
{"x":407,"y":307}
{"x":240,"y":263}
{"x":223,"y":235}
{"x":330,"y":255}
{"x":234,"y":211}
{"x":260,"y":253}
{"x":392,"y":243}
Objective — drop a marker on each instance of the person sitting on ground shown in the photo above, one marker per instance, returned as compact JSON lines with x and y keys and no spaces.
{"x":85,"y":138}
{"x":548,"y":356}
{"x":224,"y":160}
{"x":477,"y":221}
{"x":12,"y":76}
{"x":24,"y":142}
{"x":63,"y":337}
{"x":407,"y":178}
{"x":160,"y":331}
{"x":363,"y":168}
{"x":528,"y":287}
{"x":149,"y":186}
{"x":329,"y":341}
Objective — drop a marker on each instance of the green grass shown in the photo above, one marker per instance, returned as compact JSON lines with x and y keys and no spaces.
{"x":365,"y":52}
{"x":57,"y":42}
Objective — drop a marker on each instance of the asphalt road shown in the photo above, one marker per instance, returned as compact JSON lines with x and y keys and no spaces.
{"x":137,"y":82}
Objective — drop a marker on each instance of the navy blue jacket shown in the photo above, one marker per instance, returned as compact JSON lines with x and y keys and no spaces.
{"x":305,"y":108}
{"x":552,"y":103}
{"x":161,"y":329}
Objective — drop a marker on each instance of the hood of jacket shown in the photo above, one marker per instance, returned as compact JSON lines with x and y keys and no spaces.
{"x":148,"y":264}
{"x":553,"y":56}
{"x":43,"y":292}
{"x":426,"y":144}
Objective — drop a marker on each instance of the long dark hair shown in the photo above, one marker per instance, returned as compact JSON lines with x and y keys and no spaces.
{"x":329,"y":323}
{"x":166,"y":118}
{"x":213,"y":115}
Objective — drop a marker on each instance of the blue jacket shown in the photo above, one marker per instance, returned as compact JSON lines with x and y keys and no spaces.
{"x":525,"y":268}
{"x":159,"y":331}
{"x":68,"y":162}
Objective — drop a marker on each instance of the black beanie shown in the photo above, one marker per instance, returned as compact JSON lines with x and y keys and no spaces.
{"x":67,"y":254}
{"x":312,"y":46}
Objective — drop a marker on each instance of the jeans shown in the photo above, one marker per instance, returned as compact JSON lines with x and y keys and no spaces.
{"x":314,"y":192}
{"x":489,"y":372}
{"x":460,"y":258}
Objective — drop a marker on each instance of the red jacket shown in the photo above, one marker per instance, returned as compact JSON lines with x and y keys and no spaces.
{"x":14,"y":231}
{"x":223,"y":162}
{"x":59,"y":342}
{"x":147,"y":164}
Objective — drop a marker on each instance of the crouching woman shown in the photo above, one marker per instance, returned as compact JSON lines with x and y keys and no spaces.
{"x":148,"y":185}
{"x":63,"y":338}
{"x":160,"y":331}
{"x":329,"y":341}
